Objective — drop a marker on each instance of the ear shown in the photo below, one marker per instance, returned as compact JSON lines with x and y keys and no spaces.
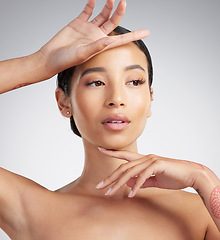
{"x":151,"y":98}
{"x":63,"y":103}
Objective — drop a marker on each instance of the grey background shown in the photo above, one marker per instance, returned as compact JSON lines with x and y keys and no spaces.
{"x":36,"y":141}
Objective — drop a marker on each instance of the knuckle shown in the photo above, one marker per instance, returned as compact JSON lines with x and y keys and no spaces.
{"x":102,"y":15}
{"x":123,"y":167}
{"x":88,"y":8}
{"x":158,"y":162}
{"x":142,"y":159}
{"x":128,"y":173}
{"x":108,"y":8}
{"x":103,"y":28}
{"x":108,"y":179}
{"x":141,"y":177}
{"x":95,"y":20}
{"x":153,"y":157}
{"x":112,"y":22}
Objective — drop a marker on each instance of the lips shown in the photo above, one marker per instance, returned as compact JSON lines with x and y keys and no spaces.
{"x":116,"y":122}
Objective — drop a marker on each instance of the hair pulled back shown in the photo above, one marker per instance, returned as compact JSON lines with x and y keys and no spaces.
{"x":64,"y":78}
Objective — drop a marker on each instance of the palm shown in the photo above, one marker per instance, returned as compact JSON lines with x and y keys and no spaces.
{"x":86,"y":32}
{"x":80,"y":40}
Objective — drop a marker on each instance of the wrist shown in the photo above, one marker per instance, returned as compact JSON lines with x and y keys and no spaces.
{"x":41,"y":63}
{"x":205,"y":178}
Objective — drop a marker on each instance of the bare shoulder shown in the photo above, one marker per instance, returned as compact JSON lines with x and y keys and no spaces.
{"x":17,"y":180}
{"x":200,"y":214}
{"x":183,"y":207}
{"x":17,"y":186}
{"x":188,"y":204}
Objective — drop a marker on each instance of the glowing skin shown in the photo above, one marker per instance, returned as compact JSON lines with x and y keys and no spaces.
{"x":215,"y":202}
{"x":114,"y":82}
{"x":111,"y":91}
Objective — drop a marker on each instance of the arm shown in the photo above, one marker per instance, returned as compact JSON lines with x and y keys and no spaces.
{"x":23,"y":71}
{"x":73,"y":45}
{"x":208,"y":187}
{"x":12,"y":217}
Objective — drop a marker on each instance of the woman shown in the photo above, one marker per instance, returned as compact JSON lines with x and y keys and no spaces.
{"x":109,"y":99}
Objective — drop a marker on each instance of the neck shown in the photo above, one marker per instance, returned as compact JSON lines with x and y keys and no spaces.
{"x":97,"y":167}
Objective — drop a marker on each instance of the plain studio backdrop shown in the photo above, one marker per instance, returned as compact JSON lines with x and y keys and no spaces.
{"x":36,"y":140}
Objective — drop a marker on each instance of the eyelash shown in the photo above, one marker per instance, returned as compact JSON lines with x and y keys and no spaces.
{"x":90,"y":84}
{"x":139,"y":81}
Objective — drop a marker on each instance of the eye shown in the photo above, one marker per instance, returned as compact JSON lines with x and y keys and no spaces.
{"x":136,"y":82}
{"x":95,"y":83}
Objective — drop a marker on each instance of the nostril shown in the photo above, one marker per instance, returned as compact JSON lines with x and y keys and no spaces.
{"x":112,"y":104}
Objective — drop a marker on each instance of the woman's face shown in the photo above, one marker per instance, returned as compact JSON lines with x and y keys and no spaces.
{"x":110,"y":97}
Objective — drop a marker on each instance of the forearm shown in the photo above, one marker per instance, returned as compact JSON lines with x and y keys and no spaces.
{"x":22,"y":71}
{"x":208,"y":187}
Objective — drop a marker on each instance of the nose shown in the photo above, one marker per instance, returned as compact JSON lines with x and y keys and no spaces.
{"x":115,"y":98}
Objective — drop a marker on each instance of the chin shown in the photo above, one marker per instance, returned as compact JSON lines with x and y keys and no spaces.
{"x":121,"y":140}
{"x":118,"y":143}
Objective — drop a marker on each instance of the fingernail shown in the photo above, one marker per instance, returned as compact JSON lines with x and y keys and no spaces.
{"x":108,"y":191}
{"x":102,"y":149}
{"x":130,"y":194}
{"x":99,"y":184}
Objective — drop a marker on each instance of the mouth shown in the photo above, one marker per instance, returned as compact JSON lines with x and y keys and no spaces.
{"x":116,"y":122}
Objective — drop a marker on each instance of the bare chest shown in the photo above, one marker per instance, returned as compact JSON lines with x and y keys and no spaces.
{"x":112,"y":222}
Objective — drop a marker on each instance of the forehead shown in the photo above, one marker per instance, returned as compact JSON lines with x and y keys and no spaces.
{"x":116,"y":59}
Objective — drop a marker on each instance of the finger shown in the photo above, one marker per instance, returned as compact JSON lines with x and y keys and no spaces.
{"x":130,"y":173}
{"x":131,"y":182}
{"x":105,"y":13}
{"x":151,"y":182}
{"x":125,"y":155}
{"x":142,"y":181}
{"x":114,"y":21}
{"x":87,"y":11}
{"x":117,"y":173}
{"x":128,"y":37}
{"x":147,"y":178}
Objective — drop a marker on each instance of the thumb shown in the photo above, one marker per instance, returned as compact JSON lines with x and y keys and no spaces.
{"x":89,"y":50}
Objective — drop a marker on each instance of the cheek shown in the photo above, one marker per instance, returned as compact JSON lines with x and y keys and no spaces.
{"x":85,"y":109}
{"x":140,"y":109}
{"x":140,"y":104}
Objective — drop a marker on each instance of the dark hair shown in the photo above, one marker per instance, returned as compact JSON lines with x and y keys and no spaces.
{"x":64,"y":78}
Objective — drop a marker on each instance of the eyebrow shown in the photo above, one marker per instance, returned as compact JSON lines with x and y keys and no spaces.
{"x":92,"y":70}
{"x":102,"y":69}
{"x":132,"y":67}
